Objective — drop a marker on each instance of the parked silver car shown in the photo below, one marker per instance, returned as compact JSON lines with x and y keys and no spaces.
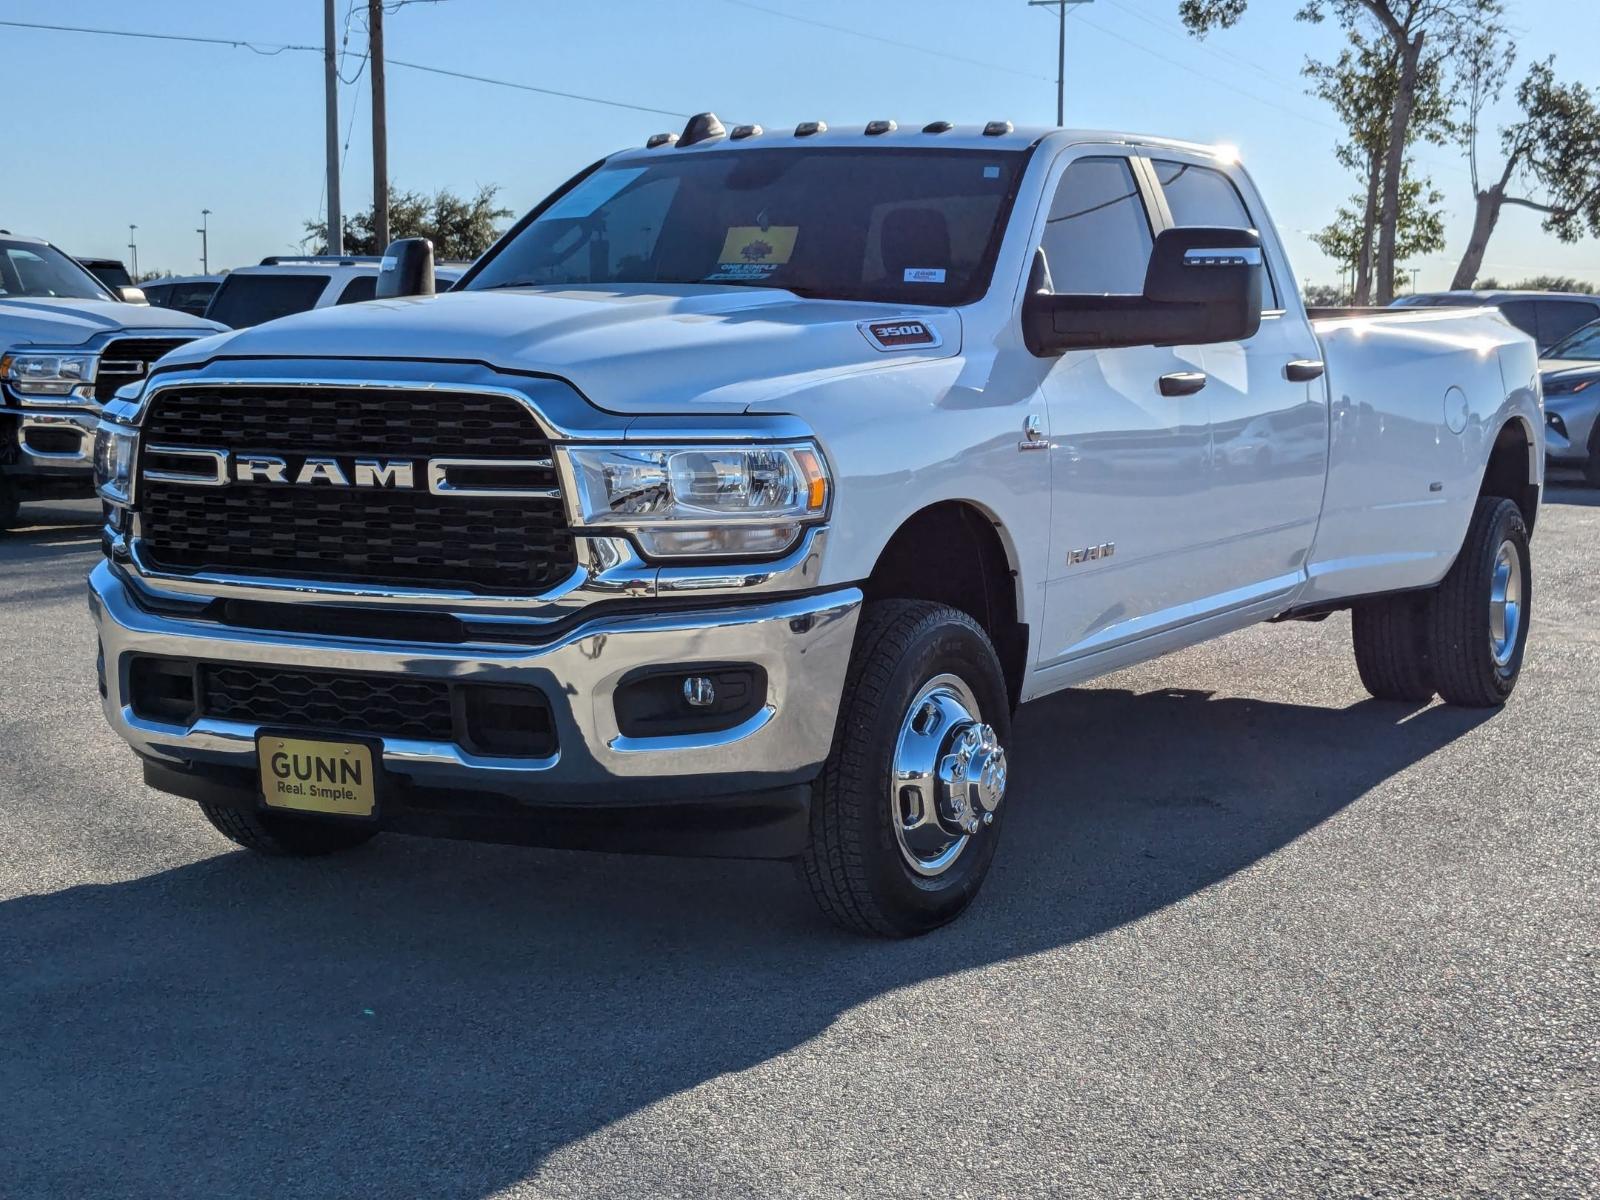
{"x":1570,"y":371}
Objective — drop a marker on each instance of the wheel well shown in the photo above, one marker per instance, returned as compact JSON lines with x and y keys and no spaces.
{"x":1510,"y":471}
{"x":951,"y":553}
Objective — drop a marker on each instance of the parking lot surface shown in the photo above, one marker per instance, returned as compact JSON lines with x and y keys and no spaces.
{"x":1250,"y":933}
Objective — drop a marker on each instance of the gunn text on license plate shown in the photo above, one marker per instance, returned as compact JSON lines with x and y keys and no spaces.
{"x":316,"y":776}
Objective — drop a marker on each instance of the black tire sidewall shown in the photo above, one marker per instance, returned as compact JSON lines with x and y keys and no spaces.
{"x":948,"y":646}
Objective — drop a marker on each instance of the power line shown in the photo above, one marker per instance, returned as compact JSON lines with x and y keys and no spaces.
{"x":528,"y":87}
{"x":236,"y":43}
{"x":887,"y":41}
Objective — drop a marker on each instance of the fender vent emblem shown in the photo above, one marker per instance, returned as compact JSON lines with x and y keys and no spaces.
{"x":905,"y":333}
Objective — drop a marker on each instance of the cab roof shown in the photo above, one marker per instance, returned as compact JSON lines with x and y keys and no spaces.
{"x":705,"y":133}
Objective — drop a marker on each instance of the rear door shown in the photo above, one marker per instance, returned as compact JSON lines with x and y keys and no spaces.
{"x":1269,"y":420}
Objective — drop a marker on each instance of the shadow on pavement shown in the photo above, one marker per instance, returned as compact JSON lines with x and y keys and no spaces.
{"x":434,"y":1019}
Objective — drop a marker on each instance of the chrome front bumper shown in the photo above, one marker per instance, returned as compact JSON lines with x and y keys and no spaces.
{"x":803,"y":645}
{"x":41,"y":427}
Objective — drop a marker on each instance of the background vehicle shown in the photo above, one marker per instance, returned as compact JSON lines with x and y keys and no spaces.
{"x":1570,"y":372}
{"x":1546,"y":317}
{"x":66,"y":344}
{"x":110,"y":272}
{"x":186,"y":293}
{"x":280,"y":287}
{"x":735,"y":498}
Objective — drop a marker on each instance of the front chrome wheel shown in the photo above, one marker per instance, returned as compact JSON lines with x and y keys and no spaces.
{"x":1505,"y":603}
{"x":947,"y":778}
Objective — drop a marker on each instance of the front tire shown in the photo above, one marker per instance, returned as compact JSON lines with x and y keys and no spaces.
{"x":907,"y":812}
{"x":1391,"y":644}
{"x":1480,"y":613}
{"x":284,"y":837}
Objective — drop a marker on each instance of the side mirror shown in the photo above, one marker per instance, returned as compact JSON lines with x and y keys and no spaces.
{"x":406,"y":269}
{"x":132,"y":295}
{"x":1203,"y":286}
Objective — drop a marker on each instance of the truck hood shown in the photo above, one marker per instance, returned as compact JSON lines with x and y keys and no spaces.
{"x":680,"y":348}
{"x":50,"y":322}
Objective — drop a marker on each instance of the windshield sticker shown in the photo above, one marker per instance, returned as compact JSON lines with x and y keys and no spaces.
{"x":924,"y":274}
{"x":589,"y":195}
{"x":751,"y":252}
{"x":991,"y":172}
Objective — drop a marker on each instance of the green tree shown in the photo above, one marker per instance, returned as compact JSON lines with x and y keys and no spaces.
{"x":1360,"y":86}
{"x":1551,"y":155}
{"x":1421,"y":230}
{"x":1423,"y":34}
{"x":459,"y":228}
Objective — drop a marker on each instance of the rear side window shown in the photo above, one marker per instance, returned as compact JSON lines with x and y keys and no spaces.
{"x":1524,"y":316}
{"x":1558,"y":318}
{"x":362,"y":287}
{"x":1202,"y":196}
{"x":1097,"y":237}
{"x":245,"y":300}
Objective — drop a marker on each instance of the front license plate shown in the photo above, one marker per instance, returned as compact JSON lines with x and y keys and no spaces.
{"x":315,"y":776}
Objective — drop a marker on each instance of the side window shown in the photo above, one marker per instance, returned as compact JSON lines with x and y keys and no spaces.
{"x":1524,"y":315}
{"x":362,"y":287}
{"x":1202,"y":196}
{"x":1097,"y":237}
{"x":1557,"y":318}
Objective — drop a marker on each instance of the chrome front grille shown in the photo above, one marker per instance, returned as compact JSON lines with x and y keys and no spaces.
{"x":127,"y":360}
{"x":449,"y":540}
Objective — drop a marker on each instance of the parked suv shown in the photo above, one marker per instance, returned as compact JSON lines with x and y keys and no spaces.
{"x":1571,"y":374}
{"x":1546,"y":317}
{"x":281,"y":286}
{"x":186,"y":293}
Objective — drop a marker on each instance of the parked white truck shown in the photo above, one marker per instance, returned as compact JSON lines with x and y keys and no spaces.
{"x":67,"y":342}
{"x":733,"y":501}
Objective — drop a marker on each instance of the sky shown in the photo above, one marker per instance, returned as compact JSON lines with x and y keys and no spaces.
{"x":104,"y":132}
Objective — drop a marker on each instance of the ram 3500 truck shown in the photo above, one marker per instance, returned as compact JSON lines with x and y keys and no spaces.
{"x":67,"y":342}
{"x":733,"y":501}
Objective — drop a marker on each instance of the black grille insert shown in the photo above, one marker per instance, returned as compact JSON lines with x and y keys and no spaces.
{"x":127,"y":360}
{"x":495,"y":719}
{"x":369,"y":535}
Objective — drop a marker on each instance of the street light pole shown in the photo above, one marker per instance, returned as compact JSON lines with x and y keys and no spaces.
{"x":205,"y":259}
{"x":1061,"y":51}
{"x":133,"y":252}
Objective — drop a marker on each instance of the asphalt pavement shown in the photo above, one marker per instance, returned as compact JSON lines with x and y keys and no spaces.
{"x":1249,"y":933}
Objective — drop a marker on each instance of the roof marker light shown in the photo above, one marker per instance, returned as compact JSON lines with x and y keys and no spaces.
{"x":740,"y":132}
{"x":997,"y":128}
{"x":807,"y":128}
{"x":660,"y":139}
{"x":874,"y":128}
{"x":937,"y":127}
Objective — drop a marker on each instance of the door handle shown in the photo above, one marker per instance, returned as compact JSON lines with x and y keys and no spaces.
{"x":1182,"y":383}
{"x":1304,"y":370}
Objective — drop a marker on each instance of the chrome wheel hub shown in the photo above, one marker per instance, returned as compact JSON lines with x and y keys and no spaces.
{"x":1505,"y":604}
{"x":948,"y":776}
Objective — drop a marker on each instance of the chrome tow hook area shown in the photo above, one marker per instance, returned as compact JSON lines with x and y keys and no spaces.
{"x":949,"y":776}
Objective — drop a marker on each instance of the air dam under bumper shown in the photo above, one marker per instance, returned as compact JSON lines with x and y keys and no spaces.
{"x":802,"y":644}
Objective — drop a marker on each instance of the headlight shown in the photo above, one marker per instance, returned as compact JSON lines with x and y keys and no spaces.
{"x":683,"y":501}
{"x":114,"y":449}
{"x":1569,"y":387}
{"x":47,"y":374}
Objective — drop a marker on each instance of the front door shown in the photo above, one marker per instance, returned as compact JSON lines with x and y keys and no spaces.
{"x":1129,"y":432}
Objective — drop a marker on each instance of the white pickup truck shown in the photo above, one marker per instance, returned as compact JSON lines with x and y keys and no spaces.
{"x":733,"y":501}
{"x":67,"y":342}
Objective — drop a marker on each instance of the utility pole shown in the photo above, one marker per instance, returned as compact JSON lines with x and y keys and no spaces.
{"x":133,"y":253}
{"x":205,"y":258}
{"x":330,"y":87}
{"x":380,"y":128}
{"x":1061,"y":51}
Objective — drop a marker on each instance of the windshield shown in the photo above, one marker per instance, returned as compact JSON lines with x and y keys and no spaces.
{"x":36,"y":270}
{"x":251,"y":299}
{"x":1583,"y":344}
{"x":903,"y":226}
